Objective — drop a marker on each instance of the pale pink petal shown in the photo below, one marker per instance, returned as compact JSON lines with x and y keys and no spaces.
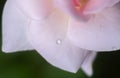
{"x":100,"y":33}
{"x":36,"y":9}
{"x":48,"y":37}
{"x":68,"y":7}
{"x":87,"y":65}
{"x":13,"y":29}
{"x":95,"y":6}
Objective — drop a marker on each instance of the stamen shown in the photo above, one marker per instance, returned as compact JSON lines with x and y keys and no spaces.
{"x":79,"y":4}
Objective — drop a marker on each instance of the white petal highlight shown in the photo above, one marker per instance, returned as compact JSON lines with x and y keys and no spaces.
{"x":100,"y":33}
{"x":87,"y":65}
{"x":36,"y":9}
{"x":48,"y":37}
{"x":95,"y":6}
{"x":14,"y":29}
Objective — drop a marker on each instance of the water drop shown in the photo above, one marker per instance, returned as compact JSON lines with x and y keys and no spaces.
{"x":58,"y":41}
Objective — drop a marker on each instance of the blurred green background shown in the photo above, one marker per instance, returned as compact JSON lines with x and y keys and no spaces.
{"x":29,"y":64}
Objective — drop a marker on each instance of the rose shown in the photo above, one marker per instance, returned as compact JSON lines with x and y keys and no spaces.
{"x":67,"y":33}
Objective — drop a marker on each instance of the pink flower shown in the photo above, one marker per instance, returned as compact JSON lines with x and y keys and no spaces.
{"x":67,"y":33}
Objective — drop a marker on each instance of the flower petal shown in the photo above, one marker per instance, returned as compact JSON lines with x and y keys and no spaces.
{"x":100,"y":33}
{"x":95,"y":6}
{"x":48,"y":37}
{"x":68,"y":7}
{"x":88,"y":62}
{"x":36,"y":9}
{"x":13,"y":30}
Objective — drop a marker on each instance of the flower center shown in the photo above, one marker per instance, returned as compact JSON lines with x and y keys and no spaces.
{"x":80,"y":4}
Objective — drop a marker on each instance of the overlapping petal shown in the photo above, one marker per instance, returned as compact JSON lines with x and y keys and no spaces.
{"x":39,"y":24}
{"x":36,"y":9}
{"x":68,"y":7}
{"x":14,"y":29}
{"x":48,"y":37}
{"x":100,"y":33}
{"x":87,"y":65}
{"x":95,"y":6}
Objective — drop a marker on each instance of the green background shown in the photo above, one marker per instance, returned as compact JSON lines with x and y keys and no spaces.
{"x":29,"y":64}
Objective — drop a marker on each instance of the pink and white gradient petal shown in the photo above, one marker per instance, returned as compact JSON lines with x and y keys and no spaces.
{"x":100,"y":33}
{"x":69,"y":8}
{"x":95,"y":6}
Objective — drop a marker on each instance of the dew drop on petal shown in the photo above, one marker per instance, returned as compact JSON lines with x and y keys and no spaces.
{"x":58,"y":41}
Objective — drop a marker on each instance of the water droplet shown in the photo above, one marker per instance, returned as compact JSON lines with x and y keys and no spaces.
{"x":58,"y":41}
